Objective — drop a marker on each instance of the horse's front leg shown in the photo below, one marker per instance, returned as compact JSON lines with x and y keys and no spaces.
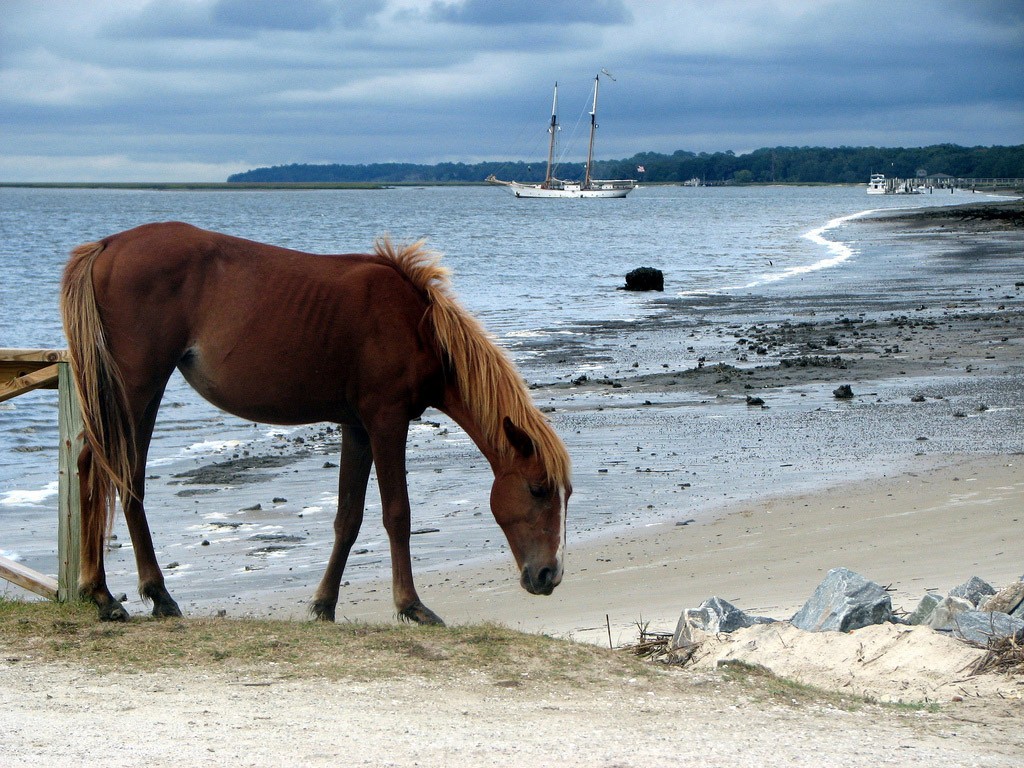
{"x":151,"y":578}
{"x":356,"y":460}
{"x":389,"y":456}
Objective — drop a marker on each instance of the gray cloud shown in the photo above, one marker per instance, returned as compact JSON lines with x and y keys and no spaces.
{"x":489,"y":13}
{"x":103,"y":90}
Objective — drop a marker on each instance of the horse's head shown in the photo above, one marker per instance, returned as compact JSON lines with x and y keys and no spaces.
{"x":530,"y":508}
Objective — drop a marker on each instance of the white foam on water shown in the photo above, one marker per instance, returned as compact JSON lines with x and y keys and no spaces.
{"x":838,"y":252}
{"x":203,"y":448}
{"x":28,"y":498}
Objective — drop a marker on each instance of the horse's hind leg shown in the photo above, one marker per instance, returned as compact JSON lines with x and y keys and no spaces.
{"x":356,"y":460}
{"x":92,"y":582}
{"x":151,"y":579}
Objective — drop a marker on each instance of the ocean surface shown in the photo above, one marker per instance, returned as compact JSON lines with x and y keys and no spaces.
{"x":536,"y":272}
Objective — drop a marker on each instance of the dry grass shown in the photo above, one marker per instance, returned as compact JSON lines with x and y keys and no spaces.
{"x":70,"y":633}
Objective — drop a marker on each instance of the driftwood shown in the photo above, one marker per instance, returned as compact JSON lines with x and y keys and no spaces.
{"x":1005,"y":655}
{"x":657,"y":646}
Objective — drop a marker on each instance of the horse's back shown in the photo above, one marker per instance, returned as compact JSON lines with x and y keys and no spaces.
{"x":266,"y":332}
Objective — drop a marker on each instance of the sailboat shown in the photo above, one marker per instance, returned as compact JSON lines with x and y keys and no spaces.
{"x":555,"y":187}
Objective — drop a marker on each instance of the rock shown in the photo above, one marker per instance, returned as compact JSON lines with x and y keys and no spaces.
{"x":982,"y":626}
{"x":754,"y":401}
{"x":645,"y":279}
{"x":713,"y":616}
{"x":924,"y":609}
{"x":844,"y":601}
{"x":843,"y":392}
{"x":974,"y":590}
{"x":1006,"y":600}
{"x":944,"y":612}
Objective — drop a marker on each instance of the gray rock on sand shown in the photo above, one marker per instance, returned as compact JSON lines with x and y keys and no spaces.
{"x":925,"y":608}
{"x":844,"y":601}
{"x":713,"y":616}
{"x":947,"y":610}
{"x":974,"y":590}
{"x":1010,"y":599}
{"x":983,"y":626}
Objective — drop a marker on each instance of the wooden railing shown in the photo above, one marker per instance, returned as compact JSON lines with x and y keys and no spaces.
{"x":21,"y":371}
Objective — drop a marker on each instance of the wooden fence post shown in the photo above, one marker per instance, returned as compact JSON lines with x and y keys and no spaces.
{"x":69,"y":520}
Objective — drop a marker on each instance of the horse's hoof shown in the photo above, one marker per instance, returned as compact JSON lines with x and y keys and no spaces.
{"x":322,"y":611}
{"x":166,"y":609}
{"x":164,"y":606}
{"x":113,"y":611}
{"x":422,"y":615}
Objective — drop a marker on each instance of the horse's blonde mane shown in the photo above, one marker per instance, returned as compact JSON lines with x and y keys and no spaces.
{"x":488,"y":382}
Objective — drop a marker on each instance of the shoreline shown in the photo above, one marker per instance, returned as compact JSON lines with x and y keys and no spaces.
{"x":935,"y":390}
{"x":915,"y":531}
{"x":657,"y":437}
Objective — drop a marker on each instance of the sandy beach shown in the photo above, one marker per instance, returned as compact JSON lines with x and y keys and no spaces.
{"x":916,"y":483}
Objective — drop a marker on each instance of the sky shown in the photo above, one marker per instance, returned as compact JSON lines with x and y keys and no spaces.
{"x":194,"y":90}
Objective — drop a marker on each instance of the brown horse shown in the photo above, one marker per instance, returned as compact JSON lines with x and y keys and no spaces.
{"x":367,"y":341}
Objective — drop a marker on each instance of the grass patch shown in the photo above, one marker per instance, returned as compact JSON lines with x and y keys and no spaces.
{"x":71,"y":633}
{"x":782,"y":690}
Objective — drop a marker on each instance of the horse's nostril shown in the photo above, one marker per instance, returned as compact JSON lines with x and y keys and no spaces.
{"x":541,"y":581}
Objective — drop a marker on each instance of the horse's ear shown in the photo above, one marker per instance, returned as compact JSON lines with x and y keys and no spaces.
{"x":519,"y":440}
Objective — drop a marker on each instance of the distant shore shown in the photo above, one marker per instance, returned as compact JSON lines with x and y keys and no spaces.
{"x":186,"y":186}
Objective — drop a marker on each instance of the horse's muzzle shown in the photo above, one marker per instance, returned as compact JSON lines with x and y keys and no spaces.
{"x":541,"y":581}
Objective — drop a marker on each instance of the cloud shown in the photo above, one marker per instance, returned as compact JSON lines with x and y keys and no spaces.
{"x":206,"y":85}
{"x":489,"y":13}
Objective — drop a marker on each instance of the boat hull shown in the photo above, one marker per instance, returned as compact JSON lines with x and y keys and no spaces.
{"x":596,"y":190}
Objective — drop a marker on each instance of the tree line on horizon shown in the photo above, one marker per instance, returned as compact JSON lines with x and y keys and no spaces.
{"x":793,"y":165}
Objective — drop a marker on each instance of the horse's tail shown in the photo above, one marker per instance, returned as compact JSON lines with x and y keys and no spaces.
{"x":109,"y":436}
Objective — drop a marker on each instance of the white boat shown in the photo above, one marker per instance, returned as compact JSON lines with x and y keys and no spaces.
{"x":877,"y":184}
{"x":555,"y":187}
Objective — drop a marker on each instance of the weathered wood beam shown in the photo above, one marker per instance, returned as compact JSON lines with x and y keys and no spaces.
{"x":42,"y":378}
{"x":33,"y":581}
{"x":69,"y":500}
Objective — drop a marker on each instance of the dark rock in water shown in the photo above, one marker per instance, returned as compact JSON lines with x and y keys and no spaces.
{"x":924,"y":609}
{"x":713,"y":616}
{"x":754,"y":400}
{"x":982,"y":626}
{"x":843,"y":392}
{"x":843,"y":601}
{"x":645,"y":279}
{"x":973,"y":590}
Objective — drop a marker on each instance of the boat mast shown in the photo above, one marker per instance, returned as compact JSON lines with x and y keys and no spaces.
{"x":593,"y":130}
{"x":552,"y":129}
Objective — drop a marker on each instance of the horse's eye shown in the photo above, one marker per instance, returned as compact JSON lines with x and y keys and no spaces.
{"x":538,"y":491}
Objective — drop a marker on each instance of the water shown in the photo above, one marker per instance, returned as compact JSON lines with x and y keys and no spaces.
{"x":536,"y":272}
